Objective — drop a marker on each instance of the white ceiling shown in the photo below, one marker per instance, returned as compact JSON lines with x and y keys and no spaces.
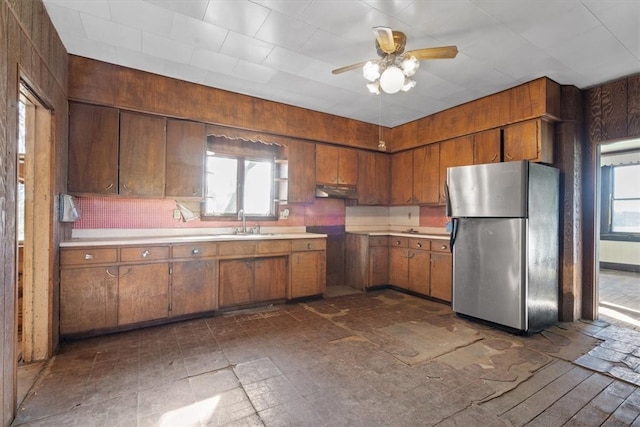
{"x":284,"y":50}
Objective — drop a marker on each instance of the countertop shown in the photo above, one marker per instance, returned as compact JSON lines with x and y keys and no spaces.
{"x":433,"y":236}
{"x":160,"y":240}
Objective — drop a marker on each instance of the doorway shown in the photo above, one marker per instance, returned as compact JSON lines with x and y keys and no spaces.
{"x":618,"y":260}
{"x":34,"y":228}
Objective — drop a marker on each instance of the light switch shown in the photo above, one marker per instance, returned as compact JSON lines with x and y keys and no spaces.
{"x":176,"y":214}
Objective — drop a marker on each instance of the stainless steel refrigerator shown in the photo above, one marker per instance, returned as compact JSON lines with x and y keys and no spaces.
{"x":505,"y":242}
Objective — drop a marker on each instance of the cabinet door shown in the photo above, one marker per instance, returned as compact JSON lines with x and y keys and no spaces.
{"x":88,"y":299}
{"x":185,"y":159}
{"x":270,"y":279}
{"x":419,"y":271}
{"x":193,"y":287}
{"x":347,"y":166}
{"x":143,"y":292}
{"x":399,"y":267}
{"x":402,"y":178}
{"x":373,"y":178}
{"x":308,"y":273}
{"x":426,"y":174}
{"x":529,"y":140}
{"x":454,"y":152}
{"x":236,"y":282}
{"x":326,"y":164}
{"x":441,"y":270}
{"x":93,"y":149}
{"x":486,"y":147}
{"x":142,"y":154}
{"x":302,"y":175}
{"x":378,"y":265}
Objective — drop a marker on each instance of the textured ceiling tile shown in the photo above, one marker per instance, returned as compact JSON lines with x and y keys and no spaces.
{"x":199,"y":33}
{"x":109,"y":32}
{"x":240,"y":16}
{"x":247,"y":48}
{"x":142,"y":15}
{"x":284,"y":31}
{"x":166,"y":48}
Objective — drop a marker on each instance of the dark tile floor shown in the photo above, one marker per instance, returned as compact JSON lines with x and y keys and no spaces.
{"x":381,"y":358}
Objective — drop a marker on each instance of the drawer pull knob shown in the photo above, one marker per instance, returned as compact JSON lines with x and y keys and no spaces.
{"x":308,"y":245}
{"x":419,"y":244}
{"x":443,"y":247}
{"x":397,"y":242}
{"x":195,"y":251}
{"x":145,"y":254}
{"x":88,"y":256}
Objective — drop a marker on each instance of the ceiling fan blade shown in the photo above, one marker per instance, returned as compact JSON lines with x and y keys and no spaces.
{"x":442,"y":52}
{"x":384,"y":36}
{"x":349,"y":67}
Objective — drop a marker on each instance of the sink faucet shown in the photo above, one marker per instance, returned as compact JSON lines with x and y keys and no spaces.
{"x":244,"y":220}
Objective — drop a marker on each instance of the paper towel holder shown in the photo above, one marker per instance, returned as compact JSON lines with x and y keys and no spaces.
{"x":68,"y":211}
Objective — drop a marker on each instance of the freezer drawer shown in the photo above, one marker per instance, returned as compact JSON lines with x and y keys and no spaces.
{"x":489,"y":270}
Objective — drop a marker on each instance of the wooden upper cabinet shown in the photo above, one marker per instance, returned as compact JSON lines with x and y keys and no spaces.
{"x":93,"y":149}
{"x":185,"y":159}
{"x":426,"y":174}
{"x":335,"y":165}
{"x":402,"y":178}
{"x":302,"y":177}
{"x":454,"y":152}
{"x":487,"y":147}
{"x":142,"y":154}
{"x":529,"y":140}
{"x":373,"y":178}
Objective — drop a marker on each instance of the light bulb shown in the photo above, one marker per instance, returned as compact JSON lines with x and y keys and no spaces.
{"x":374,"y":88}
{"x":410,"y":65}
{"x":392,"y":79}
{"x":371,"y":71}
{"x":408,"y":84}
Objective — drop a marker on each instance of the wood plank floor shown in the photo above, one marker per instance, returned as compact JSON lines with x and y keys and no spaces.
{"x":381,"y":358}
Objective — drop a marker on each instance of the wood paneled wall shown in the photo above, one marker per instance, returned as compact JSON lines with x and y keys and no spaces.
{"x":29,"y":48}
{"x":111,"y":85}
{"x":612,"y":112}
{"x":538,"y":98}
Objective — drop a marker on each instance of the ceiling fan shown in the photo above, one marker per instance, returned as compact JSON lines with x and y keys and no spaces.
{"x":393,"y":70}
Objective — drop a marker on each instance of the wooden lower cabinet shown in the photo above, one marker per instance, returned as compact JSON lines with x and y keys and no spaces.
{"x":193,"y":287}
{"x":308,"y":274}
{"x":143,"y":293}
{"x":419,"y":271}
{"x":251,"y":280}
{"x":440,"y":272}
{"x":366,"y":261}
{"x":88,"y":299}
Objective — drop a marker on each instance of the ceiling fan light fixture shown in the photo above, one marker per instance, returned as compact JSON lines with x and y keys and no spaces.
{"x":408,"y":85}
{"x":374,"y":87}
{"x":392,"y":79}
{"x":410,"y":65}
{"x":371,"y":71}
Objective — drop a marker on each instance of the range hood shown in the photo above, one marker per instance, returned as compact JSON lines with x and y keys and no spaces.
{"x":337,"y":191}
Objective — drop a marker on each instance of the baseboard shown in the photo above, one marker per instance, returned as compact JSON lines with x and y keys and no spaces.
{"x":622,"y":267}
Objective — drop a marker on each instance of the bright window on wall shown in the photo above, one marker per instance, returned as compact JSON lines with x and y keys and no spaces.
{"x":621,"y":200}
{"x":239,"y":176}
{"x":22,"y":149}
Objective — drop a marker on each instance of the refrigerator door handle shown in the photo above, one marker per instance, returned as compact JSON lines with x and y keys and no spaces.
{"x":447,"y":206}
{"x":452,"y":236}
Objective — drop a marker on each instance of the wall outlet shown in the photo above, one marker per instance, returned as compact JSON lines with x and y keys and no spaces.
{"x":284,"y":214}
{"x":176,"y":214}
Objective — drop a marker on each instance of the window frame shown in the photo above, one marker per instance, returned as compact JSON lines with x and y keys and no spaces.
{"x":606,"y":206}
{"x":263,"y":153}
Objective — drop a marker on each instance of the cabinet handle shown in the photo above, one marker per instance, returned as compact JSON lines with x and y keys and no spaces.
{"x":443,"y":247}
{"x":145,"y":253}
{"x":397,"y":242}
{"x":108,"y":187}
{"x":308,"y":245}
{"x":409,"y":199}
{"x":495,"y":156}
{"x":508,"y":156}
{"x":126,"y":272}
{"x":195,"y":251}
{"x":196,"y":192}
{"x":109,"y":273}
{"x":419,"y":244}
{"x":88,"y":256}
{"x":125,"y":188}
{"x":410,"y":254}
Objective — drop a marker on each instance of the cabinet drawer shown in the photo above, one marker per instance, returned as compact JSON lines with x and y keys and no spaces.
{"x":420,"y":244}
{"x":398,"y":242}
{"x":195,"y":250}
{"x":378,"y":240}
{"x":144,"y":253}
{"x":88,"y":256}
{"x":440,"y":246}
{"x":274,"y":246}
{"x":301,"y":245}
{"x":237,"y":248}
